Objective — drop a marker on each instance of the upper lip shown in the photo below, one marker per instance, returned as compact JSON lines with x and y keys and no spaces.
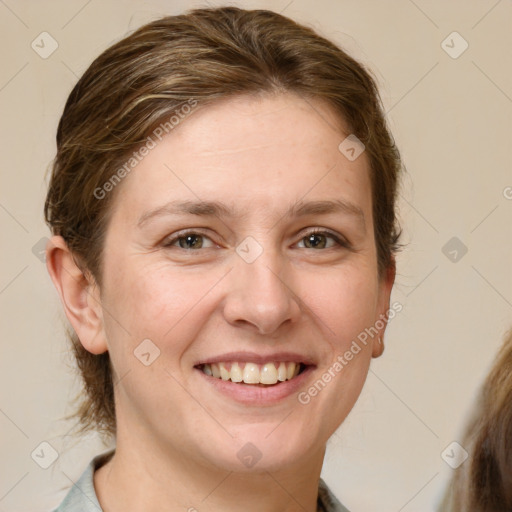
{"x":258,"y":358}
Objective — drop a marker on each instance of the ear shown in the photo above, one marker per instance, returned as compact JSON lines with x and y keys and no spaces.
{"x":79,"y":295}
{"x":385,"y":287}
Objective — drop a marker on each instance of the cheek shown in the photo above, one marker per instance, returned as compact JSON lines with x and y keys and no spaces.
{"x":153,"y":303}
{"x":344,"y":302}
{"x":164,"y":305}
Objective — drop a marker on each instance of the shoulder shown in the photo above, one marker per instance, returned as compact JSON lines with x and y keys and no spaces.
{"x":81,"y":497}
{"x":327,"y":502}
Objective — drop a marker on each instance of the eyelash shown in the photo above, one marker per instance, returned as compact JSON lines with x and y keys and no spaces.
{"x":316,"y":231}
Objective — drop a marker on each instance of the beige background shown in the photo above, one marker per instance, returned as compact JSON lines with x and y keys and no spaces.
{"x":452,"y":119}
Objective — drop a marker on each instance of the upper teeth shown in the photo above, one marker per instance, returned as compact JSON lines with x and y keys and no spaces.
{"x":251,"y":373}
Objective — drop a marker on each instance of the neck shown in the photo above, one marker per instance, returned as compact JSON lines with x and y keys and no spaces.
{"x":140,"y":477}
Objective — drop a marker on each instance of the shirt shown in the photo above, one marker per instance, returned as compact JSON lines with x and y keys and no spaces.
{"x":82,"y":496}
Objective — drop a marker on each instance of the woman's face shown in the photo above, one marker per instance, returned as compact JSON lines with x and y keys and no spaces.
{"x":209,"y":258}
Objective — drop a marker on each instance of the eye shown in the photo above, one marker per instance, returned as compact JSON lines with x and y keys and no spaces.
{"x":189,"y":240}
{"x":318,"y":239}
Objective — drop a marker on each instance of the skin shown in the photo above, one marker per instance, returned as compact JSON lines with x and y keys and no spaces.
{"x":178,"y":436}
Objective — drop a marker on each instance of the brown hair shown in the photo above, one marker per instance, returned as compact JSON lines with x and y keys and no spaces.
{"x":484,"y":482}
{"x":204,"y":55}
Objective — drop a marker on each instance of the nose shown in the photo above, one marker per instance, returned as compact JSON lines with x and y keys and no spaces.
{"x":261,"y":295}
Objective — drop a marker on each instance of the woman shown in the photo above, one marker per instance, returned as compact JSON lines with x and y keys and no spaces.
{"x":223,"y":210}
{"x":484,"y":482}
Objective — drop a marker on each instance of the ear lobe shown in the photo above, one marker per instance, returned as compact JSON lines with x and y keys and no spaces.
{"x":385,"y":287}
{"x":79,"y":295}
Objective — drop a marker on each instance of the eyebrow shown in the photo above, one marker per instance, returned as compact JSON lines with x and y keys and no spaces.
{"x":217,"y":209}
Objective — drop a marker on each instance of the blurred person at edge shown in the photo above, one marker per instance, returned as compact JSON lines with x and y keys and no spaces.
{"x":483,"y":483}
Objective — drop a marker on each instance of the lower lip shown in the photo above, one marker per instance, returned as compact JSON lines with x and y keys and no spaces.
{"x":251,"y":394}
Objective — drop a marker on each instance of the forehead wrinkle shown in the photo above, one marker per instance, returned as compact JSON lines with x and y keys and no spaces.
{"x":231,"y":151}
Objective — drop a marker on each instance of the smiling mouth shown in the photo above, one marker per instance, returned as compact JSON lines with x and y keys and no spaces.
{"x":267,"y":374}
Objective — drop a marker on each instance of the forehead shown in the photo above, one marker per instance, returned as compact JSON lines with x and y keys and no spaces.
{"x":254,"y":151}
{"x":252,"y":124}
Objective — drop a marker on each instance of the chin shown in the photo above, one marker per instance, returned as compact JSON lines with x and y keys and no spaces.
{"x":265,"y":447}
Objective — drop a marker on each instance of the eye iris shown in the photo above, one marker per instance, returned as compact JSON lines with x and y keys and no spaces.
{"x":196,"y":241}
{"x":313,"y":239}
